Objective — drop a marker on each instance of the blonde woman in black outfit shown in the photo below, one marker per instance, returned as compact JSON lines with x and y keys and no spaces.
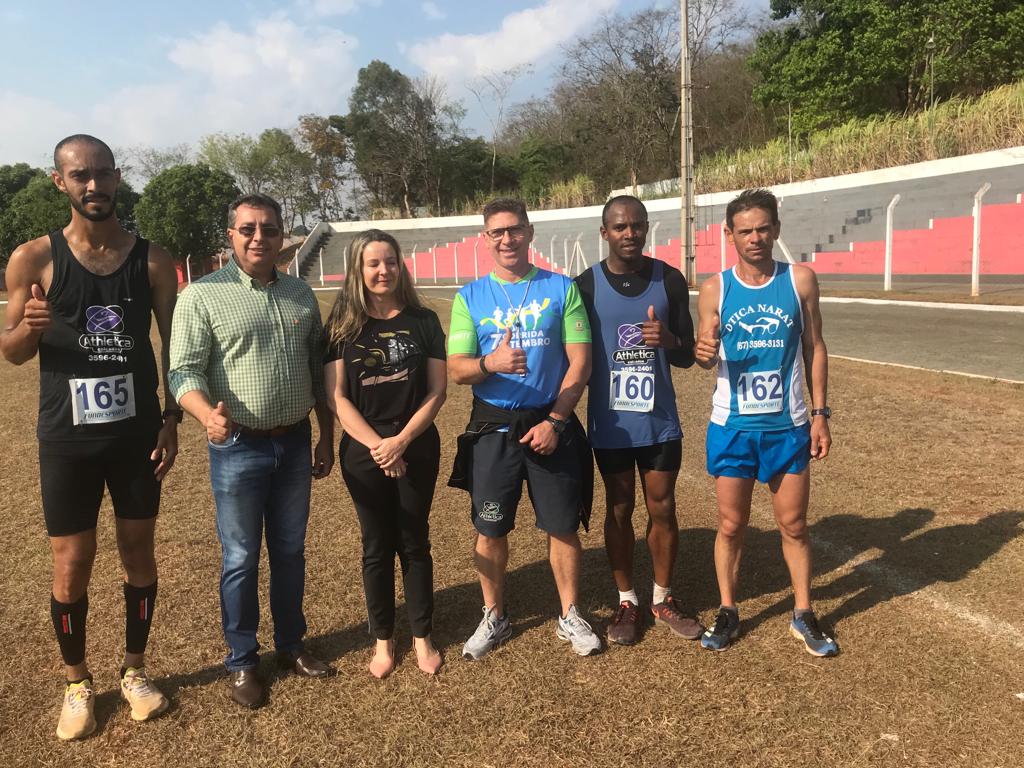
{"x":386,"y":376}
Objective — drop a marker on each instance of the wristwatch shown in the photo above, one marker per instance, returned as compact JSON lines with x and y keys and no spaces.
{"x":557,"y":424}
{"x":177,"y":413}
{"x":826,"y":412}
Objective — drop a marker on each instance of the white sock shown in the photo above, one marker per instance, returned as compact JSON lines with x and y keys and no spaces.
{"x":661,"y":594}
{"x":629,"y":597}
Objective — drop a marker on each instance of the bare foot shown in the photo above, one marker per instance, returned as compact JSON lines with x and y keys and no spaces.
{"x":383,"y":662}
{"x":428,"y":658}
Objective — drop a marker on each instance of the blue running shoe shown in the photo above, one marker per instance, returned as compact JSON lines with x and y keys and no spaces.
{"x":805,"y":627}
{"x":725,"y":629}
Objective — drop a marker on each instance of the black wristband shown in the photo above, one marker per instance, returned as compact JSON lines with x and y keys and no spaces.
{"x":483,"y":366}
{"x":177,"y":413}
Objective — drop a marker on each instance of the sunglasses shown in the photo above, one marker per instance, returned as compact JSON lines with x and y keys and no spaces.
{"x":248,"y":230}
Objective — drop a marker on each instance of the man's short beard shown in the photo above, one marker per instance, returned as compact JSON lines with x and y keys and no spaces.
{"x":101,"y":215}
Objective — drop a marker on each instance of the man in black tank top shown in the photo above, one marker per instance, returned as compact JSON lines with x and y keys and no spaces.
{"x":83,"y":298}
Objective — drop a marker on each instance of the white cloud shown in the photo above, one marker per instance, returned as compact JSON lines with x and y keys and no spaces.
{"x":226,"y":80}
{"x":24,"y":117}
{"x":524,"y":37}
{"x":334,"y":7}
{"x":431,"y":11}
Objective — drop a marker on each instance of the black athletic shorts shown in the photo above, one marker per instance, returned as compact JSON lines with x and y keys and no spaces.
{"x":73,"y":474}
{"x":660,"y":457}
{"x":499,"y":467}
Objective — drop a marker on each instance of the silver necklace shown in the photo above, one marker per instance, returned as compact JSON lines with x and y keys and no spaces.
{"x":519,"y":310}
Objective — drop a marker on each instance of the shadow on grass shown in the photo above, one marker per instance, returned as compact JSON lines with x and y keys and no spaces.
{"x":908,"y":559}
{"x":899,"y":557}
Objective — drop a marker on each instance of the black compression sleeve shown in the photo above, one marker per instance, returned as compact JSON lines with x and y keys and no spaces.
{"x":679,"y":321}
{"x":585,"y":285}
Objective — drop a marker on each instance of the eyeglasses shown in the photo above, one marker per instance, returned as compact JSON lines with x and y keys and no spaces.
{"x":518,"y":232}
{"x":248,"y":230}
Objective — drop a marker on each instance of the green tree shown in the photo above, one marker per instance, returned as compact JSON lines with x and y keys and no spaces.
{"x":13,"y":178}
{"x":184,"y":208}
{"x":239,"y":156}
{"x":323,"y":140}
{"x":398,"y":130}
{"x":838,"y":59}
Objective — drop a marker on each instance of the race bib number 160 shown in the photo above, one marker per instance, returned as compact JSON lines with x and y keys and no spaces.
{"x":99,"y":401}
{"x":631,"y":391}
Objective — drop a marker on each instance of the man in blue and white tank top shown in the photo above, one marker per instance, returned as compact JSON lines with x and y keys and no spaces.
{"x":760,"y":323}
{"x":640,"y":320}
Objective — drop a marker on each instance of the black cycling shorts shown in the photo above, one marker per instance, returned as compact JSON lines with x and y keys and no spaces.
{"x":72,"y":476}
{"x":660,"y":457}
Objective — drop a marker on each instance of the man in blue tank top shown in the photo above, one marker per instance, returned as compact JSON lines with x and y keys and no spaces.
{"x":82,"y":298}
{"x":632,"y":419}
{"x":520,"y":337}
{"x":760,"y":323}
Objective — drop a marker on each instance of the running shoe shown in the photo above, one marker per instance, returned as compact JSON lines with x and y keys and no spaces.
{"x":625,"y":626}
{"x":76,"y":718}
{"x":491,"y":632}
{"x":574,"y":628}
{"x":145,"y":699}
{"x":726,"y":629}
{"x":668,"y":613}
{"x":805,"y":627}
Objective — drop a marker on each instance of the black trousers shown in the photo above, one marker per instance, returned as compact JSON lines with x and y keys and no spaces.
{"x":393,"y":517}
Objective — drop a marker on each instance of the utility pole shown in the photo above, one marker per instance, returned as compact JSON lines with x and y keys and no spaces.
{"x":686,"y":210}
{"x":930,"y":47}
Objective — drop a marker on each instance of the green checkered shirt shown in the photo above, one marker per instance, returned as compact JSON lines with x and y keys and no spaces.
{"x":257,"y":348}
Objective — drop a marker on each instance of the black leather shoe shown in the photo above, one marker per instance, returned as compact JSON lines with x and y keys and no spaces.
{"x":304,"y":664}
{"x":247,"y":689}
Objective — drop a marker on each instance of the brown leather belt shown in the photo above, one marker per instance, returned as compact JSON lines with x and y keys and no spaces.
{"x":274,"y":432}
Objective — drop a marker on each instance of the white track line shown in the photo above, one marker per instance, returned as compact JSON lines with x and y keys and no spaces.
{"x":924,"y":304}
{"x":921,"y":368}
{"x":992,"y":627}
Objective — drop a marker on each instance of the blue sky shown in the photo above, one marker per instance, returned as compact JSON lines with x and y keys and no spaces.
{"x":159,"y":74}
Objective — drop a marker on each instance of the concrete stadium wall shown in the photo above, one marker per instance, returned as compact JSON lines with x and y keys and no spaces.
{"x":835,"y":225}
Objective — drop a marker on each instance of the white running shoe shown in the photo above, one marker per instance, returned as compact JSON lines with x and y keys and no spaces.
{"x":574,"y":628}
{"x":76,"y":718}
{"x":490,"y":633}
{"x":145,"y":698}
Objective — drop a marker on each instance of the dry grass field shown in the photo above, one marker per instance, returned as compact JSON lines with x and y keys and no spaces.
{"x":916,"y":518}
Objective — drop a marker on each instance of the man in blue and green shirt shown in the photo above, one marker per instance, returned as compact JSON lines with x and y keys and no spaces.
{"x":520,"y":337}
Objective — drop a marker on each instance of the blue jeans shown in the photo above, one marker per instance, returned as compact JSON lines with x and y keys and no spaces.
{"x":262,"y":482}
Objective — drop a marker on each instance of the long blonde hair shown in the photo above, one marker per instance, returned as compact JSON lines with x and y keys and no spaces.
{"x":349,"y":312}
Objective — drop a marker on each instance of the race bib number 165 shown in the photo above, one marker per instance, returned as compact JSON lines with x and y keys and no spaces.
{"x":97,"y":401}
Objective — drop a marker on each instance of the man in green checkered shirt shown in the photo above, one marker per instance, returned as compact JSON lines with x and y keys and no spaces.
{"x":246,"y":361}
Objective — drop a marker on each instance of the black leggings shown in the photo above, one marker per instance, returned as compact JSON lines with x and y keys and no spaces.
{"x":393,"y":516}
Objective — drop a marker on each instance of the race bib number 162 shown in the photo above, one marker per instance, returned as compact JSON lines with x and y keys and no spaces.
{"x":759,"y":392}
{"x":98,"y":401}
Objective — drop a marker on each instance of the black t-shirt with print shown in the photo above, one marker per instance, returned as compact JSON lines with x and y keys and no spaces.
{"x":386,"y":365}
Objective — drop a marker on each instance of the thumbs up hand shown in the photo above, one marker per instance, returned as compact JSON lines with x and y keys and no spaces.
{"x":218,"y":424}
{"x":655,"y":333}
{"x":706,"y":349}
{"x":36,"y":314}
{"x":505,"y":358}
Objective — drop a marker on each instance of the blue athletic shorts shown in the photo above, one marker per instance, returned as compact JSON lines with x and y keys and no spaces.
{"x":739,"y":453}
